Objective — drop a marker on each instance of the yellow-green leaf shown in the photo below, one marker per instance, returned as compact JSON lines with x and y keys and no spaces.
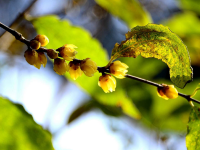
{"x":159,"y":42}
{"x":18,"y":130}
{"x":193,"y":130}
{"x":129,"y":11}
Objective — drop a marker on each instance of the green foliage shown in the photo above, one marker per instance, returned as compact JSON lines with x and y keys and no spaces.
{"x":93,"y":104}
{"x":186,"y":25}
{"x":19,"y":131}
{"x":159,"y":42}
{"x":192,"y":5}
{"x":83,"y":108}
{"x":60,"y":33}
{"x":129,"y":11}
{"x":193,"y":134}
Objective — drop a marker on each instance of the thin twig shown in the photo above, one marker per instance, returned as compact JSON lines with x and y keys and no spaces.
{"x":16,"y":34}
{"x":188,"y":97}
{"x":143,"y":80}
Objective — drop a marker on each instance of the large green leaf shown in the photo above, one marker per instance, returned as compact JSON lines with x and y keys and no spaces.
{"x":61,"y":32}
{"x":159,"y":42}
{"x":193,"y":135}
{"x":129,"y":11}
{"x":18,"y":130}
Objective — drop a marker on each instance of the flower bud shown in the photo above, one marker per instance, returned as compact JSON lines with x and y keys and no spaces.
{"x":52,"y":53}
{"x":75,"y":70}
{"x":42,"y":39}
{"x":118,"y":69}
{"x":60,"y":66}
{"x":167,"y":91}
{"x":89,"y":67}
{"x":41,"y":60}
{"x":107,"y":83}
{"x":34,"y":44}
{"x":68,"y":52}
{"x":31,"y":56}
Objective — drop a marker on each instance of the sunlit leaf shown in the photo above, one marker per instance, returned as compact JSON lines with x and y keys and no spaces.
{"x":193,"y":130}
{"x":18,"y":130}
{"x":129,"y":11}
{"x":61,"y":32}
{"x":159,"y":42}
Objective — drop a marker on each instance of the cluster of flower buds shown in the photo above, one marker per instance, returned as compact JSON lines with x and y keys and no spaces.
{"x":34,"y":57}
{"x":38,"y":41}
{"x":107,"y":82}
{"x":75,"y":67}
{"x":167,"y":92}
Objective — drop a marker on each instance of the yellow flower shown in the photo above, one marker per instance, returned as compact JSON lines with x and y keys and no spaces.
{"x":167,"y":91}
{"x":75,"y":70}
{"x":41,"y":60}
{"x":60,"y":66}
{"x":107,"y":83}
{"x":31,"y":56}
{"x":34,"y":44}
{"x":118,"y":69}
{"x":35,"y":58}
{"x":89,"y":67}
{"x":43,"y":39}
{"x":68,"y":52}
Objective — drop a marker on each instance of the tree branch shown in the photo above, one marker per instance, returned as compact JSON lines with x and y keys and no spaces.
{"x":187,"y":97}
{"x":16,"y":34}
{"x":19,"y":37}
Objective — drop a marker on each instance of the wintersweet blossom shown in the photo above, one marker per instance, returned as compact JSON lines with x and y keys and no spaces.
{"x":167,"y":92}
{"x":41,"y":60}
{"x":75,"y":70}
{"x":31,"y":56}
{"x":89,"y":67}
{"x":107,"y":83}
{"x":118,"y":69}
{"x":68,"y":52}
{"x":60,"y":66}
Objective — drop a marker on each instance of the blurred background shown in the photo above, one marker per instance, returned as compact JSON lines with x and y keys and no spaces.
{"x":78,"y":114}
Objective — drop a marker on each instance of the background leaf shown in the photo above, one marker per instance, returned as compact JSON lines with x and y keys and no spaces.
{"x":192,"y":5}
{"x":19,"y":130}
{"x":129,"y":11}
{"x":52,"y":27}
{"x":193,"y":133}
{"x":186,"y":26}
{"x":159,"y":42}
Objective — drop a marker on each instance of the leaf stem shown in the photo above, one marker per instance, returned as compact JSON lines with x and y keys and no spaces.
{"x":187,"y":97}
